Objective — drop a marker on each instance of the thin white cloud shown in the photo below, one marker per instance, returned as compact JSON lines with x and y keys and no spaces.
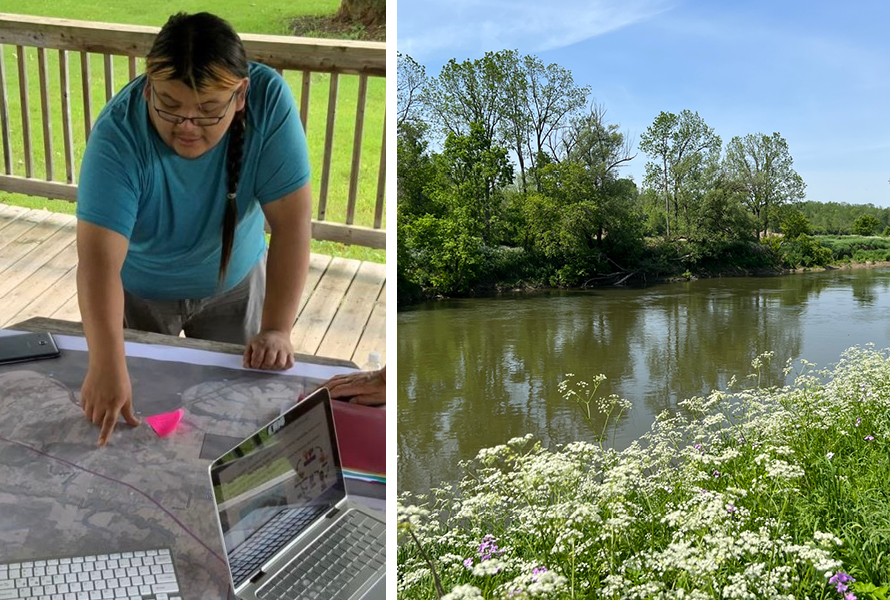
{"x":447,"y":28}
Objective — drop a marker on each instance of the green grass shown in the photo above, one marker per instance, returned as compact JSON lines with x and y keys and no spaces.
{"x":254,"y":16}
{"x":258,"y":17}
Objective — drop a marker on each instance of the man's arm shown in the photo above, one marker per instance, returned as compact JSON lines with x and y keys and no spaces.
{"x":106,"y":391}
{"x":290,"y":221}
{"x":100,"y":293}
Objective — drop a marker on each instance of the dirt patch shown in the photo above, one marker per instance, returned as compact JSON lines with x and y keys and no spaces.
{"x":333,"y":26}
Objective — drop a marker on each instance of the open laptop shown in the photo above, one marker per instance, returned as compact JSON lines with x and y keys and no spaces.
{"x":288,"y":529}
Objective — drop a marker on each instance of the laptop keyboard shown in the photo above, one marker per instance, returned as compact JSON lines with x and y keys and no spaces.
{"x":146,"y":575}
{"x":271,"y":538}
{"x":335,"y":565}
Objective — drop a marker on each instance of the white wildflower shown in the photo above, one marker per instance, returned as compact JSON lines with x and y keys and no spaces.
{"x":489,"y":567}
{"x":463,"y":592}
{"x":548,"y":584}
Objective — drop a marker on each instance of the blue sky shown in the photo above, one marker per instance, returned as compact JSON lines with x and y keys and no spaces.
{"x":816,"y":72}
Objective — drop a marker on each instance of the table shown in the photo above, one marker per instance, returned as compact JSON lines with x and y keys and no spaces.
{"x":60,"y":495}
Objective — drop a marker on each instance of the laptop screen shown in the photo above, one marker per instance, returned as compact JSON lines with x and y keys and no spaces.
{"x":274,"y":484}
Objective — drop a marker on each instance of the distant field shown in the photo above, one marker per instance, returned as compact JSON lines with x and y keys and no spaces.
{"x":263,"y":16}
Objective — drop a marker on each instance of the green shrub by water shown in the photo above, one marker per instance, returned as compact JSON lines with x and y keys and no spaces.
{"x":758,"y":493}
{"x":846,"y":246}
{"x":862,"y":256}
{"x":804,"y":251}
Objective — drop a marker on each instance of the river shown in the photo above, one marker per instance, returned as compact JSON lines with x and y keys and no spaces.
{"x":474,"y":373}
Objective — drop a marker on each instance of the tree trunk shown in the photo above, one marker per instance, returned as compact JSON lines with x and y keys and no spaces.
{"x":521,"y":168}
{"x":369,"y":12}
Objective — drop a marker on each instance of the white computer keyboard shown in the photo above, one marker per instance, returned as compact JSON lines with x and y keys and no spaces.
{"x":146,"y":575}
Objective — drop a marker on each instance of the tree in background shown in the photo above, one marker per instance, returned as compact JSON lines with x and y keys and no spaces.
{"x":520,"y":103}
{"x":601,"y":149}
{"x":465,"y":93}
{"x":866,"y":224}
{"x":763,"y":165}
{"x":723,"y":214}
{"x":442,"y":255}
{"x":410,"y":83}
{"x":836,"y":218}
{"x":515,"y":122}
{"x":476,"y":172}
{"x":685,"y":155}
{"x":449,"y":208}
{"x":416,"y":172}
{"x":552,"y":98}
{"x":795,"y":223}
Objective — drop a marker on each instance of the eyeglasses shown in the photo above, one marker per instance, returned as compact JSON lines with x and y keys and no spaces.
{"x":197,"y":121}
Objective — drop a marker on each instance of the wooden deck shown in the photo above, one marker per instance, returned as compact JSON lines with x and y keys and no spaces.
{"x":342,"y":313}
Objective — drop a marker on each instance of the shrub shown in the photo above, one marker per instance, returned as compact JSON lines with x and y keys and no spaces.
{"x":804,"y":251}
{"x":862,"y":256}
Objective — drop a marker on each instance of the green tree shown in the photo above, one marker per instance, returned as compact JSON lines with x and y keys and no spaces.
{"x":724,"y":217}
{"x":763,"y":166}
{"x":515,"y":123}
{"x":795,"y":223}
{"x":520,"y":103}
{"x":684,"y":155}
{"x":551,"y":98}
{"x":445,"y":252}
{"x":564,"y":216}
{"x":477,"y":171}
{"x":448,"y":206}
{"x":601,"y":149}
{"x":465,"y":93}
{"x":866,"y":224}
{"x":416,"y":172}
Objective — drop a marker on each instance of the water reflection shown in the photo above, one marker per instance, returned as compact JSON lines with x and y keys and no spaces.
{"x":474,"y":373}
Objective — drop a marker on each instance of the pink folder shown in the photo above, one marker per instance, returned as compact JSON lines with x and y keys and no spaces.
{"x":361,"y":435}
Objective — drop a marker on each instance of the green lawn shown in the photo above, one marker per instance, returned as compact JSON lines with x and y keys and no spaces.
{"x":259,"y":17}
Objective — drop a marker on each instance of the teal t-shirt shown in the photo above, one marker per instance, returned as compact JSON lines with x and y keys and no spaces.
{"x":171,"y":208}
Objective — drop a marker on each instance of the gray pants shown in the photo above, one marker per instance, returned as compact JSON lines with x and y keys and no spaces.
{"x":233,"y":316}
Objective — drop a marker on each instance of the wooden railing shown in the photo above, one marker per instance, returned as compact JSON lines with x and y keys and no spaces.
{"x":300,"y":60}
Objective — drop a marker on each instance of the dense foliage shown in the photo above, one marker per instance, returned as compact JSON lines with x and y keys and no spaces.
{"x":837,"y":218}
{"x":509,"y":176}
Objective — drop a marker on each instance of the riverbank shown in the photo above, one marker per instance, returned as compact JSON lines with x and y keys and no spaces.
{"x":507,"y":269}
{"x":847,"y":265}
{"x":766,"y":492}
{"x":406,"y":300}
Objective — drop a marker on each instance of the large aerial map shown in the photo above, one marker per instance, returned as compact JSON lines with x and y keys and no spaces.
{"x":60,"y":495}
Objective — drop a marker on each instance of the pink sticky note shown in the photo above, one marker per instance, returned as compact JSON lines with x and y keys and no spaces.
{"x":164,"y":424}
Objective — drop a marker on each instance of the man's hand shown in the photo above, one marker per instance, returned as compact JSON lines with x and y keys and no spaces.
{"x":270,"y":349}
{"x":364,"y":387}
{"x":106,"y":394}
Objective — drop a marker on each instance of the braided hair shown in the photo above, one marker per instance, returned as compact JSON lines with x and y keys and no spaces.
{"x":204,"y":52}
{"x":234,"y":153}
